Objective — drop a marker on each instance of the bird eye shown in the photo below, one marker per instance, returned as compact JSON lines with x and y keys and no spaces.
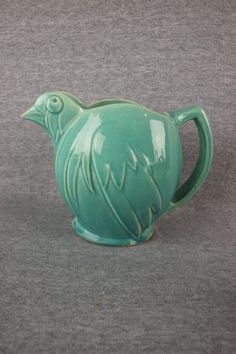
{"x":54,"y":104}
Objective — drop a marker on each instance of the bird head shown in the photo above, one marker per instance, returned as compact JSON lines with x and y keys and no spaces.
{"x":55,"y":112}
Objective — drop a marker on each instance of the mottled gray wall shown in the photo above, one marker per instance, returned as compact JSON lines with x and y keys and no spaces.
{"x":59,"y":294}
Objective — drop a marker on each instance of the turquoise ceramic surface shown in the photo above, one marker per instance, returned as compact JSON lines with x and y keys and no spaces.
{"x":118,"y":163}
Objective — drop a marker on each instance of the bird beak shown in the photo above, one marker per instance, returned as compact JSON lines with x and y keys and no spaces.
{"x":33,"y":114}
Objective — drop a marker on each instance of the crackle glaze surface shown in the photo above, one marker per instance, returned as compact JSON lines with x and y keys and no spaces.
{"x":118,"y":164}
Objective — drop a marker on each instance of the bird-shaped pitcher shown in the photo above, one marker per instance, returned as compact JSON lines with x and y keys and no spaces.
{"x":118,"y":163}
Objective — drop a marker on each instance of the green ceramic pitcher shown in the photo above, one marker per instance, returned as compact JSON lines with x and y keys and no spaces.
{"x":118,"y":163}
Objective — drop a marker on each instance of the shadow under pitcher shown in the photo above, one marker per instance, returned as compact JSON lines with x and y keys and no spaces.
{"x":118,"y":163}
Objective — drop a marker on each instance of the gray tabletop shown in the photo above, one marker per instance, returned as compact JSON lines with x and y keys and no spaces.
{"x":60,"y":294}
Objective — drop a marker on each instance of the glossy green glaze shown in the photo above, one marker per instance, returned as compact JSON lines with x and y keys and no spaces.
{"x":118,"y":164}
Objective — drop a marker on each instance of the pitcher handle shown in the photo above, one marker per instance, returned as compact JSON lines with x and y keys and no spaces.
{"x":200,"y":172}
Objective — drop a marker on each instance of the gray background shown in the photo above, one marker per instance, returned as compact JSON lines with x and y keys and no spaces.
{"x":60,"y":294}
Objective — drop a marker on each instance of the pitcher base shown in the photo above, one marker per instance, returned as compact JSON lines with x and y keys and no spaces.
{"x":110,"y":241}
